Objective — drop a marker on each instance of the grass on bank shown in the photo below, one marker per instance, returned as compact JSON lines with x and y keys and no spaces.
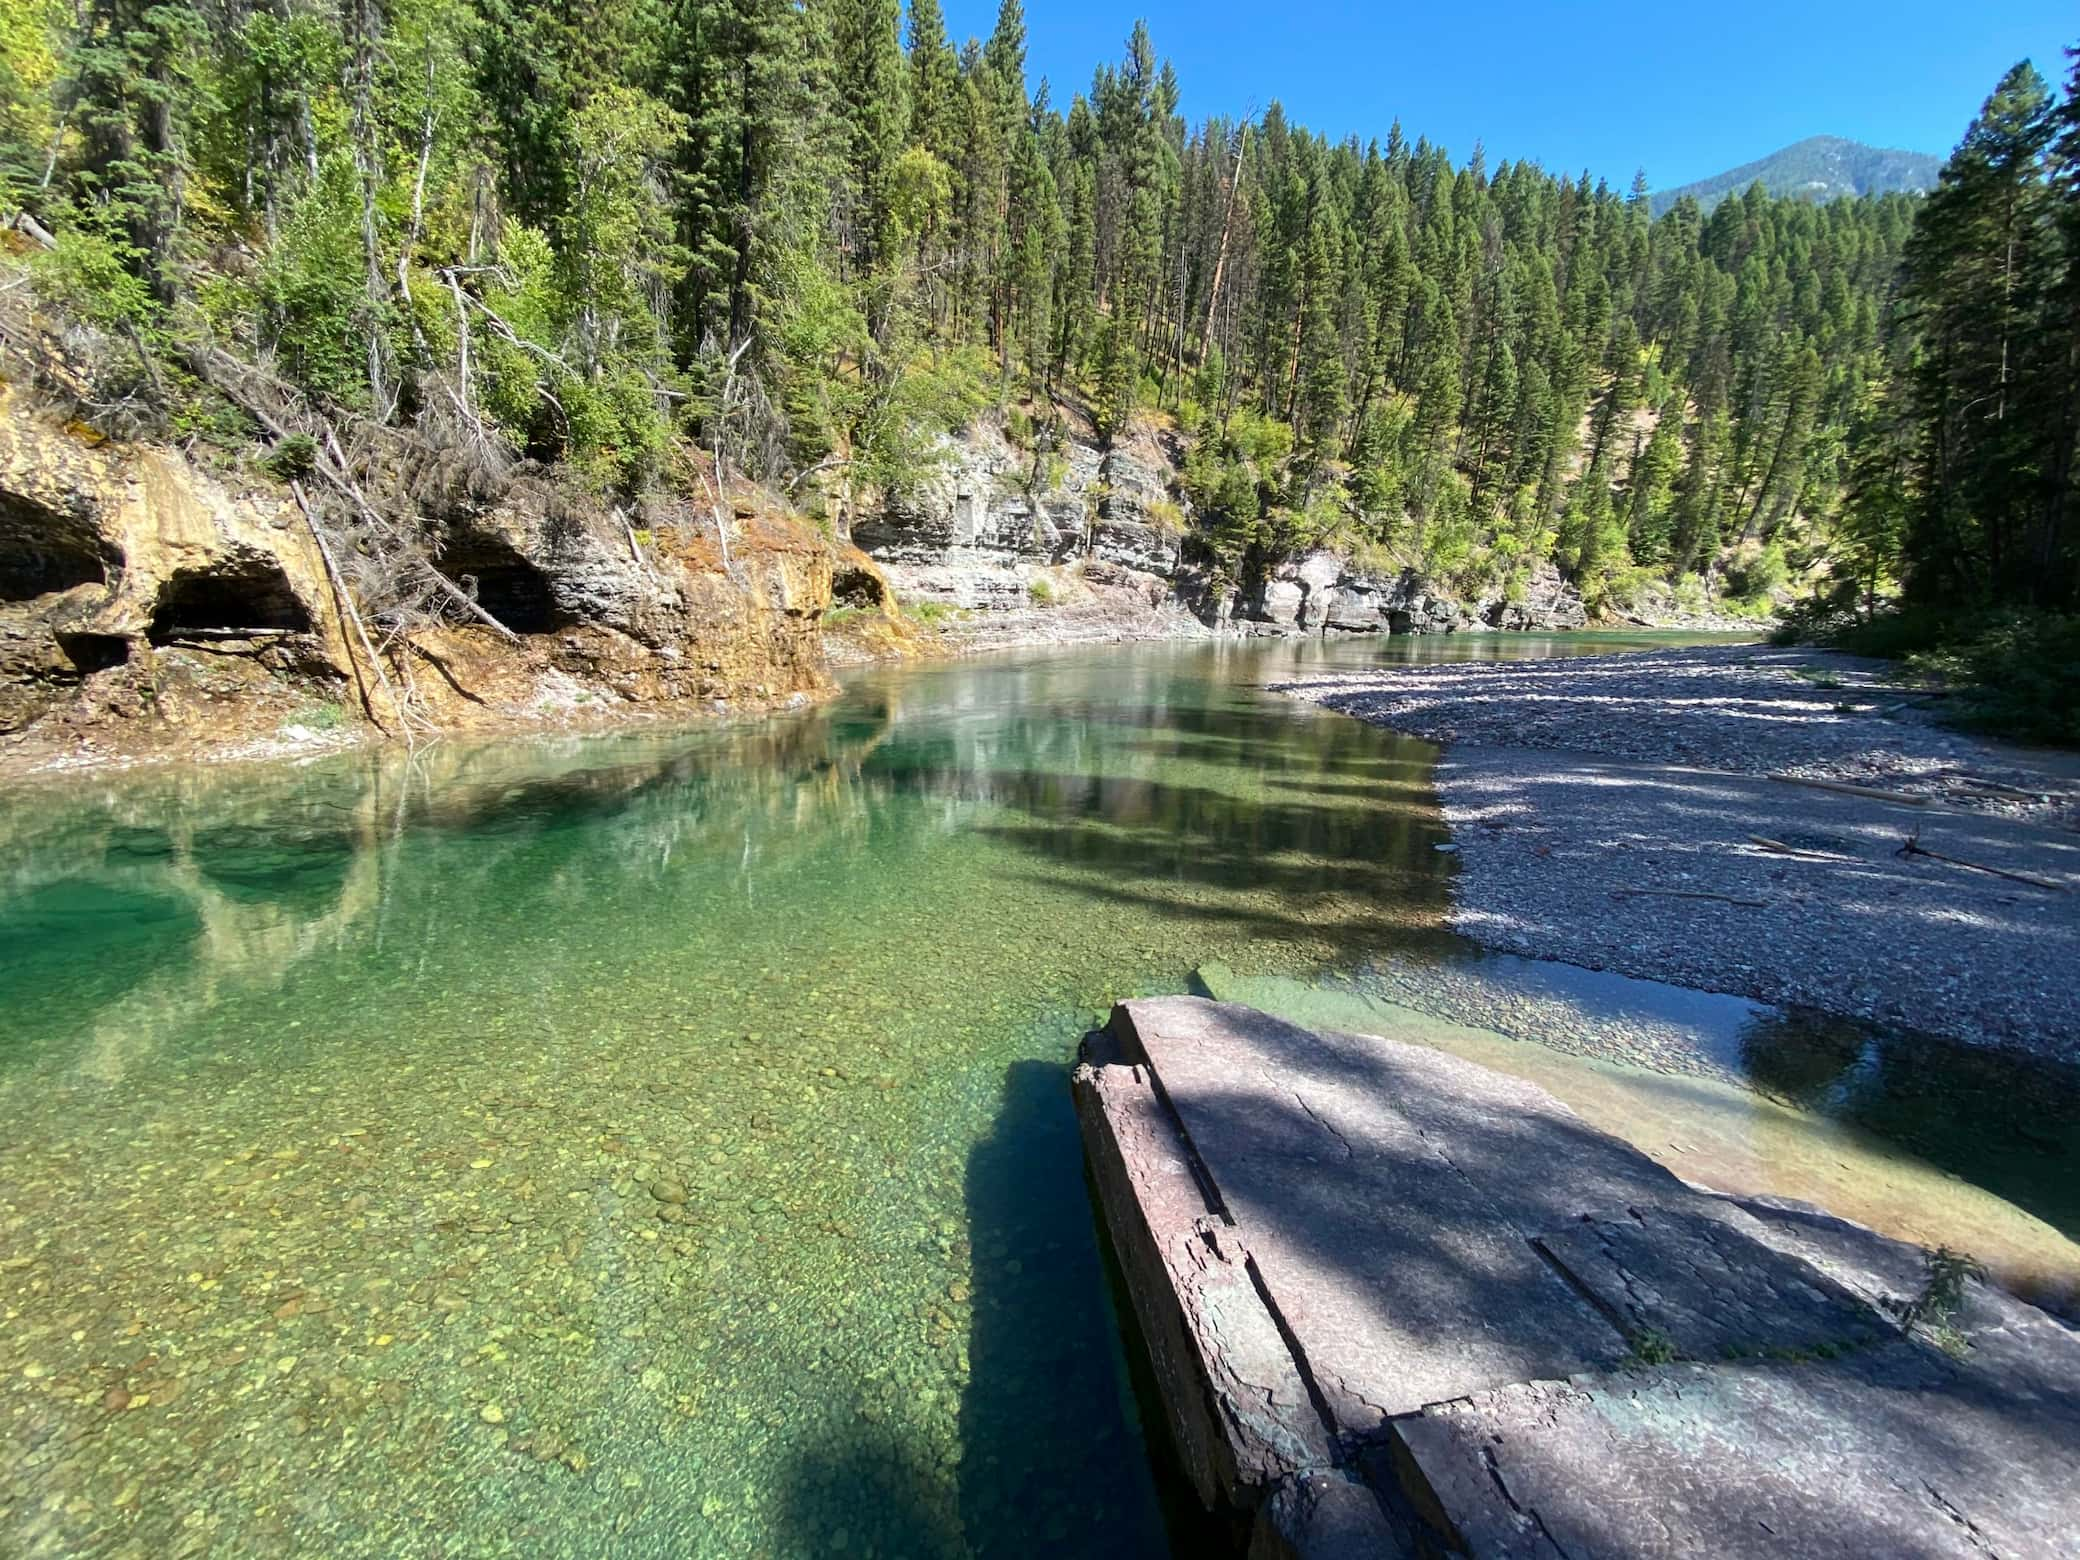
{"x":2010,"y":673}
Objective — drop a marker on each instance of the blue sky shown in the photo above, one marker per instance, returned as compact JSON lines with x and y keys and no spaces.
{"x":1683,"y":89}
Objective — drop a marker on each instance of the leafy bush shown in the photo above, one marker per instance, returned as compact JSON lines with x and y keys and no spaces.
{"x":313,"y":288}
{"x":1042,"y":592}
{"x":1753,"y":578}
{"x":294,"y":458}
{"x":931,"y":613}
{"x":2012,"y":673}
{"x":94,"y":276}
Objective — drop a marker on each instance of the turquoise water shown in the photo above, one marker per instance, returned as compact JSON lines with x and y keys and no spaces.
{"x":655,"y":1144}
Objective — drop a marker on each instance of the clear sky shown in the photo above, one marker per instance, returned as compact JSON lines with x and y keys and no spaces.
{"x":1683,"y":88}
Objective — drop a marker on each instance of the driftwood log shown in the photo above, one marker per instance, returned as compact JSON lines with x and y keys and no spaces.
{"x":1914,"y":847}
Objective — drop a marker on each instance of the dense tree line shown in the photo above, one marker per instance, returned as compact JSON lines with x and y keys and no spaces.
{"x":1965,"y":484}
{"x":805,"y":234}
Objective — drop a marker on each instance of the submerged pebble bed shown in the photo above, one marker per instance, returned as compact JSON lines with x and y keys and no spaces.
{"x":656,"y":1145}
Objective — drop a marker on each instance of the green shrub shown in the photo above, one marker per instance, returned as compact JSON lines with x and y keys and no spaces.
{"x":932,"y":613}
{"x":294,"y":458}
{"x":1752,"y":579}
{"x":323,"y":716}
{"x":1042,"y":592}
{"x":2011,"y":673}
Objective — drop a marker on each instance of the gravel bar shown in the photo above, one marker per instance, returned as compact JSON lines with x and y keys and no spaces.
{"x":1606,"y":812}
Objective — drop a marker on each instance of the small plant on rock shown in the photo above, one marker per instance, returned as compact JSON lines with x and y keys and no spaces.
{"x":293,"y":458}
{"x":1935,"y":1309}
{"x":1650,"y":1346}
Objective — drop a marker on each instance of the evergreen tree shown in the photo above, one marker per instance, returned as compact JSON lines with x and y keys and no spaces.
{"x":808,"y":233}
{"x":1970,"y":283}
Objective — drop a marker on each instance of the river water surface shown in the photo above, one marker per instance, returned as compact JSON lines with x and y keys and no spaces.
{"x":659,"y":1144}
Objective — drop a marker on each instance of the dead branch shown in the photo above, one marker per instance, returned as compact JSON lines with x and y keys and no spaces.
{"x":343,"y":602}
{"x":1914,"y":847}
{"x":719,"y":478}
{"x":467,"y":602}
{"x":1687,"y":893}
{"x":829,"y":462}
{"x":1781,"y":849}
{"x":1992,"y":788}
{"x":234,"y":380}
{"x":33,"y":230}
{"x":1871,"y":793}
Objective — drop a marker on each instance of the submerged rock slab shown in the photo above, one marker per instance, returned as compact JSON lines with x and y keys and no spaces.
{"x":1399,"y":1303}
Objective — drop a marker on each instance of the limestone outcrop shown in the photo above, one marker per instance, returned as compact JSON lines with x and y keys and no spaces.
{"x":151,"y":603}
{"x":988,"y":521}
{"x":1324,"y":592}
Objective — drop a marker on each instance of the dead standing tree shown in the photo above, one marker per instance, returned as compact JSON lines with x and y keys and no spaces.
{"x":718,"y":470}
{"x":376,"y":546}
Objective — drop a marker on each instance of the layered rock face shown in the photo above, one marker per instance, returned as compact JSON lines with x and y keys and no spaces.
{"x":146,"y":603}
{"x":1325,"y":593}
{"x":976,"y":533}
{"x":133,"y":585}
{"x":984,"y":524}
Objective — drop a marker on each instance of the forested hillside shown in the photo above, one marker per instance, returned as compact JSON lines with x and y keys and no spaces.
{"x":1821,"y":167}
{"x":799,"y":238}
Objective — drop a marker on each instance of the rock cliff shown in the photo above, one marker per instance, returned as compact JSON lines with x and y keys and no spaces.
{"x":992,"y":527}
{"x":1323,"y":592}
{"x":151,"y":604}
{"x":989,"y":521}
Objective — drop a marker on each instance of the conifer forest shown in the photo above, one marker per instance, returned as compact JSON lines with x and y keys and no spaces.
{"x":802,"y":237}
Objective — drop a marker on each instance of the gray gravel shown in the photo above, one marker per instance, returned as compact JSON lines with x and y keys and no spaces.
{"x":1748,"y":709}
{"x":1590,"y":798}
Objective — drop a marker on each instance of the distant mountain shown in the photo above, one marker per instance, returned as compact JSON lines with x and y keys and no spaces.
{"x":1821,"y":167}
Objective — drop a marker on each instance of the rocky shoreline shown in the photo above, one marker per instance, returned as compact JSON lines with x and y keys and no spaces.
{"x":158,"y":606}
{"x":997,"y":529}
{"x":1677,"y":816}
{"x":155,"y":607}
{"x":1001,"y":545}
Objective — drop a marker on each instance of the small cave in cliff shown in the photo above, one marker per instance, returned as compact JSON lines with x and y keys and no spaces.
{"x":40,"y":554}
{"x":856,"y":588}
{"x":91,"y":653}
{"x":509,"y":587}
{"x":235,"y":601}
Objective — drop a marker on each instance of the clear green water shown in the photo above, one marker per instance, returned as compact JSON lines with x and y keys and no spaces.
{"x":655,"y":1145}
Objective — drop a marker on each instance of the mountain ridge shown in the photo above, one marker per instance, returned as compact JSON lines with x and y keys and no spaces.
{"x":1818,"y":168}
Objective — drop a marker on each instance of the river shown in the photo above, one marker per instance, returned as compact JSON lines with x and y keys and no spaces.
{"x":659,"y":1143}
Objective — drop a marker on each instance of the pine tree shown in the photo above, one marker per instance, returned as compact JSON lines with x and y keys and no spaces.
{"x":934,"y":83}
{"x":1970,"y":280}
{"x":132,"y":86}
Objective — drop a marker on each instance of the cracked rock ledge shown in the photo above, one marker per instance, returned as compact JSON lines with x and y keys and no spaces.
{"x":1395,"y":1303}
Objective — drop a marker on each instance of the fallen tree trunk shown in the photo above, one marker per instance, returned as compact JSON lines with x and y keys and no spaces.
{"x":343,"y":600}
